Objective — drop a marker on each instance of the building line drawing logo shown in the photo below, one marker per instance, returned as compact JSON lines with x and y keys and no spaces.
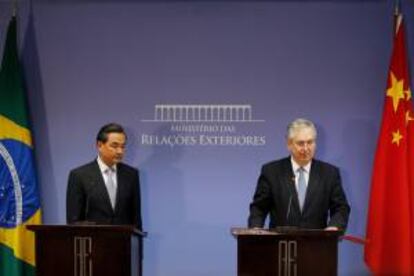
{"x":230,"y":113}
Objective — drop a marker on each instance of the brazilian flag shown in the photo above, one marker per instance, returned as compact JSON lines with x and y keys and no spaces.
{"x":19,"y":198}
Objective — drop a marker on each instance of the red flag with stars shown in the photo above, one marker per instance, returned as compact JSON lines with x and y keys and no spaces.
{"x":390,"y":226}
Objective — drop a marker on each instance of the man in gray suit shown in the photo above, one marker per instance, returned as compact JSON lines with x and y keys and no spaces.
{"x":299,"y":190}
{"x":105,"y":191}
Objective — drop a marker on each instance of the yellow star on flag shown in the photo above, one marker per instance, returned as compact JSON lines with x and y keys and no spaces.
{"x":408,"y":117}
{"x":396,"y":137}
{"x":408,"y":94}
{"x":396,"y":91}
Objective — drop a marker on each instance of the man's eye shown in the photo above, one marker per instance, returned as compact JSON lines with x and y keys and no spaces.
{"x":115,"y":146}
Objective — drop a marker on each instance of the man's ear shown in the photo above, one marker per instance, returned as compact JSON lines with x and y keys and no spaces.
{"x":289,"y":144}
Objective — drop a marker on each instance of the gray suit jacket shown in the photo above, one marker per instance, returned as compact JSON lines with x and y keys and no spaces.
{"x":276,"y":196}
{"x":87,"y":198}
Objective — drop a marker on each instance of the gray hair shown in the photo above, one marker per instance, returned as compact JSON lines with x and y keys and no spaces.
{"x":299,"y":124}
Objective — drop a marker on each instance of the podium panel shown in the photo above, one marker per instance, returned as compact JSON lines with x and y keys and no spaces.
{"x":87,"y":250}
{"x":291,"y":253}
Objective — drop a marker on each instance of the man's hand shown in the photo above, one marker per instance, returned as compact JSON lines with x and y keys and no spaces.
{"x":331,"y":228}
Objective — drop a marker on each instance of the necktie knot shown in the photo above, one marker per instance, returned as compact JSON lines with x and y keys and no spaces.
{"x":109,"y":171}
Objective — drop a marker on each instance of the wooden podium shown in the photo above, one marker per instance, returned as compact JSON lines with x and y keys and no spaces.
{"x":286,"y":252}
{"x":87,"y":250}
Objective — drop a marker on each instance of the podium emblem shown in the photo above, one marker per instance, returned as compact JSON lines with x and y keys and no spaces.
{"x":287,"y":264}
{"x":83,"y":256}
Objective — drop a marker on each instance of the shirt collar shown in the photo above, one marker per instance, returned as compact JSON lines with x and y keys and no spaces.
{"x":295,"y":166}
{"x":103,"y":167}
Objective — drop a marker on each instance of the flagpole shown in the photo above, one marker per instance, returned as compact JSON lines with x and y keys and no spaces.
{"x":397,"y":15}
{"x":397,"y":7}
{"x":14,"y":8}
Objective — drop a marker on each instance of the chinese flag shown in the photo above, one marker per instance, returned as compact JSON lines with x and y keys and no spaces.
{"x":390,"y":226}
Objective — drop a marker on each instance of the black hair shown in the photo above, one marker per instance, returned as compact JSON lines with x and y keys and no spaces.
{"x":102,"y":135}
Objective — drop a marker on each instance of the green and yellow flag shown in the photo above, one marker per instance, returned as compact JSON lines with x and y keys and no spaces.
{"x":19,"y":198}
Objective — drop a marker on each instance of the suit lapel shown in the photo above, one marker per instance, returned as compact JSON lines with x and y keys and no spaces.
{"x":312,"y":184}
{"x":120,"y":186}
{"x":289,"y":180}
{"x":101,"y":189}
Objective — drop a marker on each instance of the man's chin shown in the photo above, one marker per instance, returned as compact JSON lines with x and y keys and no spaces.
{"x":116,"y":161}
{"x":305,"y":161}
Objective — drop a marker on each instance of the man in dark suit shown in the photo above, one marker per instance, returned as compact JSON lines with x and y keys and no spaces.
{"x":105,"y":191}
{"x":299,"y":190}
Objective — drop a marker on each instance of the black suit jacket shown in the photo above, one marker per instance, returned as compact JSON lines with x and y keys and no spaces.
{"x":87,"y":198}
{"x":276,"y":195}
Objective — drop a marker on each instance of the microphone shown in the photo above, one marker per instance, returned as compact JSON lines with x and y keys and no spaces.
{"x":288,"y":227}
{"x":288,"y":209}
{"x":78,"y":219}
{"x":85,"y":215}
{"x":88,"y":192}
{"x":290,"y":200}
